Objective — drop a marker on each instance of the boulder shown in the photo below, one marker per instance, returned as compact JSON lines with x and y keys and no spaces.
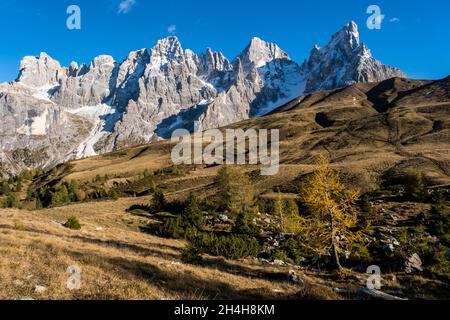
{"x":279,"y":263}
{"x":413,"y":263}
{"x":389,"y":248}
{"x":294,"y":277}
{"x":39,"y":289}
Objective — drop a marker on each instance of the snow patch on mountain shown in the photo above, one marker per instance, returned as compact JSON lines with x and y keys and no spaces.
{"x":103,"y":117}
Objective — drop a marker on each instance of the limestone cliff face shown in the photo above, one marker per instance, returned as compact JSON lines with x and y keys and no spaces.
{"x":52,"y":114}
{"x":344,"y":62}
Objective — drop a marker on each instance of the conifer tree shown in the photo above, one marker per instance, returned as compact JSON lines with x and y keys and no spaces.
{"x":330,"y":205}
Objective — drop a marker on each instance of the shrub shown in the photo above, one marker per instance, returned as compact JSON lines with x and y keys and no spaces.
{"x":4,"y":188}
{"x":244,"y":226}
{"x":230,"y":247}
{"x":112,"y":194}
{"x":18,"y":225}
{"x":438,"y":223}
{"x":61,"y":197}
{"x":72,"y":223}
{"x":415,"y":185}
{"x":172,"y":228}
{"x":297,"y":250}
{"x":192,"y":214}
{"x":191,"y":255}
{"x":10,"y":201}
{"x":159,"y":202}
{"x":279,"y":255}
{"x":359,"y":252}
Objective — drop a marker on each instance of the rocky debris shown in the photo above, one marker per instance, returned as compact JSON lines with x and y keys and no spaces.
{"x":278,"y":263}
{"x":340,"y":291}
{"x":413,"y":264}
{"x":170,"y":264}
{"x":389,"y":248}
{"x":39,"y":289}
{"x":366,"y":293}
{"x":264,"y":261}
{"x":18,"y":283}
{"x":293,"y":277}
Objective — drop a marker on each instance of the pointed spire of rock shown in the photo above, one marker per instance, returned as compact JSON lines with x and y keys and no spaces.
{"x":259,"y":52}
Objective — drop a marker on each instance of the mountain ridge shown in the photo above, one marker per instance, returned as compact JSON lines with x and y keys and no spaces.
{"x":72,"y":112}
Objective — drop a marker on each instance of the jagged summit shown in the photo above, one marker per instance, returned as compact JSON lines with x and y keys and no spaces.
{"x":169,"y":48}
{"x":348,"y":35}
{"x":39,"y":71}
{"x":259,"y":52}
{"x":345,"y":61}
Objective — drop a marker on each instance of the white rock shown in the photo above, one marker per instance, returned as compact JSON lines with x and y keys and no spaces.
{"x":279,"y":263}
{"x":40,"y":289}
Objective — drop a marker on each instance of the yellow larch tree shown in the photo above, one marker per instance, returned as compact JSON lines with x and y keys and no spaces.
{"x":330,"y":205}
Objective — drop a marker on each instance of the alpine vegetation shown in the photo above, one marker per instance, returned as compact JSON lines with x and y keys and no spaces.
{"x":235,"y":147}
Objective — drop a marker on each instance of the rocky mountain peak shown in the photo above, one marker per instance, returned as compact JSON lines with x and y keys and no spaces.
{"x":39,"y":71}
{"x":215,"y":61}
{"x":103,"y":61}
{"x":259,"y":52}
{"x":166,"y":50}
{"x":348,"y":37}
{"x":344,"y":61}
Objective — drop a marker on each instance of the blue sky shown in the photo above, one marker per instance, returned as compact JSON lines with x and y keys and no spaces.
{"x":415,"y":35}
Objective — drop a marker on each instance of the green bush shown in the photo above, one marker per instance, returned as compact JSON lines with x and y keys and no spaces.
{"x":159,"y":202}
{"x":72,"y":223}
{"x":191,"y":255}
{"x":10,"y":201}
{"x":192,"y":214}
{"x":438,"y":222}
{"x":244,"y":226}
{"x":280,"y":255}
{"x":172,"y":228}
{"x":230,"y":247}
{"x":360,"y":252}
{"x":296,"y":250}
{"x":415,"y":185}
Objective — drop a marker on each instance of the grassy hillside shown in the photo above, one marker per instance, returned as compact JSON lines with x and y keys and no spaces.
{"x":388,"y":140}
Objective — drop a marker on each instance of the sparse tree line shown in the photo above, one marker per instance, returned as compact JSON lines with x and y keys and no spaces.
{"x":25,"y":190}
{"x":327,"y":224}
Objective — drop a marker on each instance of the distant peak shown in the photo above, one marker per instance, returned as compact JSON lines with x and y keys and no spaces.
{"x":260,"y":52}
{"x":169,"y":40}
{"x":352,"y":27}
{"x":256,"y":40}
{"x":348,"y":35}
{"x":102,"y":60}
{"x":169,"y":47}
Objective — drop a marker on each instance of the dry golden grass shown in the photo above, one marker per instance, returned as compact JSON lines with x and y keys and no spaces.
{"x":117,"y":261}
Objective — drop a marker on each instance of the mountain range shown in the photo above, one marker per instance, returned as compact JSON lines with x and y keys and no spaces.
{"x":51,"y":114}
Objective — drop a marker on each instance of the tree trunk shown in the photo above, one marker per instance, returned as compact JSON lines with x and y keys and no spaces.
{"x":334,"y":251}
